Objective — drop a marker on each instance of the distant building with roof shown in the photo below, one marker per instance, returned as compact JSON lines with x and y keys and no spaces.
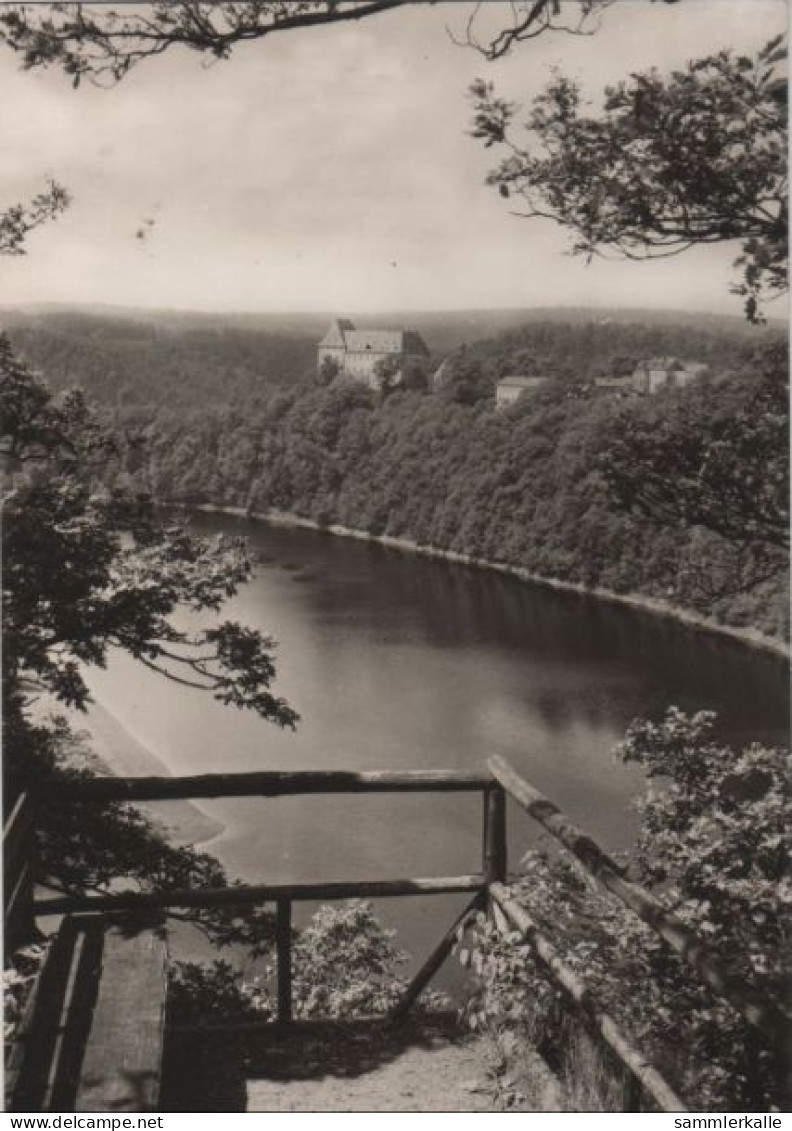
{"x":665,"y":373}
{"x":654,"y":374}
{"x":357,"y":352}
{"x":509,"y":389}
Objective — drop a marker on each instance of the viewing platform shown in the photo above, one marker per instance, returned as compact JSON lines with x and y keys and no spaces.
{"x":95,"y":1029}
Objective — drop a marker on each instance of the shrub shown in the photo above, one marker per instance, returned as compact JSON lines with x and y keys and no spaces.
{"x":714,"y":846}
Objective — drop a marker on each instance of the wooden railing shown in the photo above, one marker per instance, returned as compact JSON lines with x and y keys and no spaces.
{"x":19,"y":860}
{"x":488,"y":888}
{"x":756,"y":1008}
{"x":271,"y":784}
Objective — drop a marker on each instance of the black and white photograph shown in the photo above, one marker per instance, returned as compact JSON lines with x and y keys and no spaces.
{"x":394,"y":463}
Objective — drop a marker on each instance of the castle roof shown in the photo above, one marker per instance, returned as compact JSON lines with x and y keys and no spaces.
{"x":375,"y":341}
{"x":414,"y":343}
{"x":342,"y":333}
{"x":336,"y":335}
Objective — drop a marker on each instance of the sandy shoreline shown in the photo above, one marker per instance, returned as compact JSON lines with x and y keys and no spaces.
{"x":119,"y":753}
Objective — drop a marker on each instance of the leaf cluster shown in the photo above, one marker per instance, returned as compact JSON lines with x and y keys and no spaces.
{"x":708,"y":461}
{"x":716,"y":837}
{"x":101,"y":847}
{"x":668,"y":163}
{"x":345,"y":965}
{"x":18,"y":220}
{"x":88,"y":570}
{"x":715,"y":847}
{"x":103,"y":43}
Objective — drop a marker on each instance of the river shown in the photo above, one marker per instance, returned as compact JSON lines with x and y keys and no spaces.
{"x":400,"y":662}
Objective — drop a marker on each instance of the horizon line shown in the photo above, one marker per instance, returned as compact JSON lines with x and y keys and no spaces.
{"x":331,"y":312}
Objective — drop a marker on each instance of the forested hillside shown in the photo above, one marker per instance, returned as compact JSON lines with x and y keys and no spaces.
{"x":236,"y":417}
{"x":174,"y":359}
{"x":128,"y":361}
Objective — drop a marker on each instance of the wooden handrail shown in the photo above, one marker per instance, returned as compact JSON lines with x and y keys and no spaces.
{"x":17,"y":810}
{"x":267,"y":783}
{"x":19,"y":856}
{"x":264,"y":783}
{"x":758,"y":1010}
{"x":648,"y":1077}
{"x":16,"y":831}
{"x":261,"y":893}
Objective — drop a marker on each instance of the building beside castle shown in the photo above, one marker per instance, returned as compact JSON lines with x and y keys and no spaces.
{"x":654,"y":374}
{"x":355,"y":354}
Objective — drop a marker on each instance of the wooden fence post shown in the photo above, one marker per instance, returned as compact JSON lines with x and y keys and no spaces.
{"x":283,"y":933}
{"x":494,"y":861}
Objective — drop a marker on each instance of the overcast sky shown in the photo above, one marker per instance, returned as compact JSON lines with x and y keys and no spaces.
{"x":330,"y":169}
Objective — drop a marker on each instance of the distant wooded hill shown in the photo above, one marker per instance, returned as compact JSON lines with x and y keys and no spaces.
{"x":174,"y":359}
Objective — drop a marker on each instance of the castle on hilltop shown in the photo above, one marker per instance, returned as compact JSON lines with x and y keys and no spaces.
{"x":367,"y":355}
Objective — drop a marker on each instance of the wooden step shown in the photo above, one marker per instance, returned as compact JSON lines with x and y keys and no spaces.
{"x":92,"y":1034}
{"x":123,"y":1057}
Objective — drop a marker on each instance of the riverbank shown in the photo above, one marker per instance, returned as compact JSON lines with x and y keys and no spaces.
{"x":104,"y":745}
{"x":748,"y":636}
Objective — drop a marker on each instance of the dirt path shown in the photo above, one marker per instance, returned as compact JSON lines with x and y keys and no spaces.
{"x":428,"y":1067}
{"x":429,"y":1064}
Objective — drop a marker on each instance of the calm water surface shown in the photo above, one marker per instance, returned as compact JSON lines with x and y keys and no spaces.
{"x":398,"y":662}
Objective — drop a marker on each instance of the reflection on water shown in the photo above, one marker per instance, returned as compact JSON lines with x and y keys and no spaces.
{"x":399,"y":662}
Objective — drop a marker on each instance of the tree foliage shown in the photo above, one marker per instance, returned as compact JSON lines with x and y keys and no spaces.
{"x":387,"y":375}
{"x":103,"y":43}
{"x":87,"y":570}
{"x":101,"y":846}
{"x":721,"y":466}
{"x":345,"y":965}
{"x":19,"y":220}
{"x":667,"y":164}
{"x":714,"y":845}
{"x":328,"y":371}
{"x":528,"y":19}
{"x":716,"y":838}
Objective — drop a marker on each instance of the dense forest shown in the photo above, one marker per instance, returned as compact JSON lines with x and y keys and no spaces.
{"x":182,"y":359}
{"x":234,"y":415}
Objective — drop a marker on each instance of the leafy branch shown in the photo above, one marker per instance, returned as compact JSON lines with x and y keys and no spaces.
{"x":668,"y":163}
{"x":101,"y":43}
{"x":19,"y":220}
